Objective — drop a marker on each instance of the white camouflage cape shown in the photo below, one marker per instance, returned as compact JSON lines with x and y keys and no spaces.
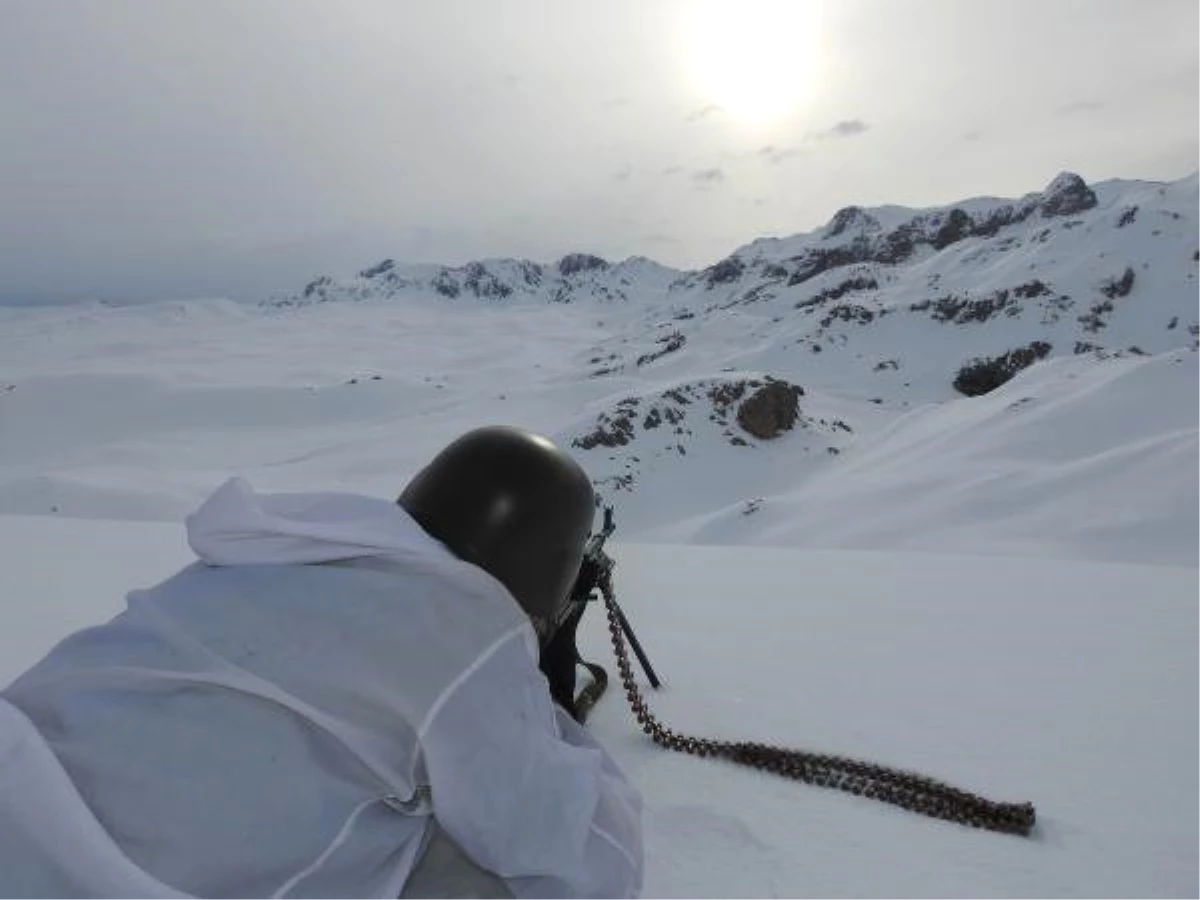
{"x":288,"y":716}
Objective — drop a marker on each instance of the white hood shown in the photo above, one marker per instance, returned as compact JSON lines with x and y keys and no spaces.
{"x":389,"y":690}
{"x":236,"y":526}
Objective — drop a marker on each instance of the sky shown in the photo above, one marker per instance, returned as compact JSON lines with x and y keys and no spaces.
{"x":156,"y":149}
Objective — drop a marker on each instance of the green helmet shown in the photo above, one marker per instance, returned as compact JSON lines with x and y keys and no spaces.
{"x":514,"y":504}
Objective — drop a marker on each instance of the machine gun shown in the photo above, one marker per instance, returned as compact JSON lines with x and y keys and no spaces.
{"x":902,"y":788}
{"x":561,"y":655}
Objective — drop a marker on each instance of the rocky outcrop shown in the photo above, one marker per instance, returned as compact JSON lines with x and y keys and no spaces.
{"x":771,"y":410}
{"x":727,"y":270}
{"x":668,"y":343}
{"x":851,"y":217}
{"x":478,"y":280}
{"x":573,"y":263}
{"x":1067,"y":195}
{"x":1119,"y":287}
{"x":318,"y":288}
{"x":614,"y":429}
{"x":981,"y":376}
{"x":838,"y":291}
{"x":381,"y":268}
{"x":957,"y":226}
{"x":814,"y":262}
{"x":853,"y":237}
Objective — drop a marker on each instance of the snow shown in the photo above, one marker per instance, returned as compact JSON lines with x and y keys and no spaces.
{"x":998,"y":591}
{"x":1071,"y":685}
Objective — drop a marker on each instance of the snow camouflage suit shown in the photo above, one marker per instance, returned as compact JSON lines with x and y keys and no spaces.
{"x":299,"y":714}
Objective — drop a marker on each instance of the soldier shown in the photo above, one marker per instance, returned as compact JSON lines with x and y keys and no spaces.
{"x":340,"y":698}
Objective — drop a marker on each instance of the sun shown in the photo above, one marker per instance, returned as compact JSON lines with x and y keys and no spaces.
{"x":755,"y":59}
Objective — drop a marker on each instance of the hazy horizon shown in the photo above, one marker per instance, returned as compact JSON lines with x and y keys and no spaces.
{"x":220,"y":148}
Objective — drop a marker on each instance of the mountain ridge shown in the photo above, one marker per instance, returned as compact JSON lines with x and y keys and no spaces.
{"x":886,"y":234}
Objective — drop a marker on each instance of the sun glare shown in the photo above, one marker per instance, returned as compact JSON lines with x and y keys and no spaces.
{"x":756,"y":59}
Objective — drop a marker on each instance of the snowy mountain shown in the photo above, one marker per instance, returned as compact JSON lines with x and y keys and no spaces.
{"x":918,"y":487}
{"x":793,"y":351}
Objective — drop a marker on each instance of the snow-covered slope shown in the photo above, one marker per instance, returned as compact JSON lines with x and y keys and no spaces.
{"x":1034,"y":468}
{"x":801,"y":391}
{"x":1069,"y":685}
{"x":935,"y":583}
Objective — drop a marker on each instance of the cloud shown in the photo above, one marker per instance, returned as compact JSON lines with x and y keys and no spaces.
{"x":705,"y":112}
{"x":672,"y":170}
{"x":624,"y":173}
{"x":973,"y":135}
{"x":844,"y":129}
{"x":704,"y":178}
{"x":615,"y":103}
{"x":776,"y":155}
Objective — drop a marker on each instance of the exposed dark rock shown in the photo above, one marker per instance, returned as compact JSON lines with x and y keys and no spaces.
{"x":1119,"y":287}
{"x":848,"y":312}
{"x":531,"y":273}
{"x":961,"y":310}
{"x":1174,"y":322}
{"x":999,"y":218}
{"x":1053,"y":306}
{"x":847,"y":217}
{"x":754,"y":295}
{"x":1030,"y":289}
{"x":839,"y":291}
{"x":446,"y":284}
{"x":957,"y":226}
{"x":774,"y":270}
{"x":667,"y":344}
{"x":981,"y":376}
{"x":814,"y":262}
{"x":580,"y":262}
{"x":727,"y":270}
{"x":897,"y":246}
{"x":1127,"y":216}
{"x":378,"y":269}
{"x":722,"y":395}
{"x":317,"y":286}
{"x":771,"y":410}
{"x":1066,"y":195}
{"x":482,"y":283}
{"x":611,"y":431}
{"x":1093,"y":319}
